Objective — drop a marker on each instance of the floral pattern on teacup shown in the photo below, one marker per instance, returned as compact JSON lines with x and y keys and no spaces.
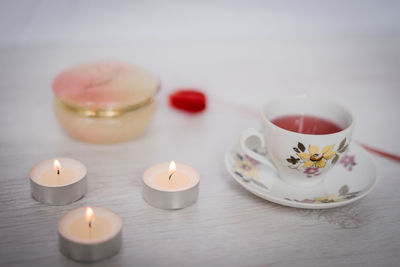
{"x":348,"y":162}
{"x":342,"y":195}
{"x":310,"y":171}
{"x":313,"y":159}
{"x":316,"y":159}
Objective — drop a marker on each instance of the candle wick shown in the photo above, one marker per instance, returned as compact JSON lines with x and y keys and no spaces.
{"x":169,"y":178}
{"x":58,"y":176}
{"x":90,"y":230}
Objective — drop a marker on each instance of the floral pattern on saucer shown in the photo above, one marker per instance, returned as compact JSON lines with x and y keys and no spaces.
{"x":341,"y":185}
{"x":245,"y":168}
{"x":311,"y":161}
{"x":342,"y":195}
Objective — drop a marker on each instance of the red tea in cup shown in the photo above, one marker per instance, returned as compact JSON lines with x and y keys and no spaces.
{"x":306,"y":124}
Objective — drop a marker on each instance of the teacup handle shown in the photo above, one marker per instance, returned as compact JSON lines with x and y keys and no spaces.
{"x":250,"y":132}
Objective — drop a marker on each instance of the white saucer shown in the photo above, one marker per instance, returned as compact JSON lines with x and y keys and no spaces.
{"x":352,"y":179}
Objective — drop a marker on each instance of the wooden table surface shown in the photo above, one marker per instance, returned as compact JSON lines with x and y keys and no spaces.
{"x":228,"y":226}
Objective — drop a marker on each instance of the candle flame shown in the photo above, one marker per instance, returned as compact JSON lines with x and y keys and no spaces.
{"x":172,"y":167}
{"x":57,"y":166}
{"x":89,"y":214}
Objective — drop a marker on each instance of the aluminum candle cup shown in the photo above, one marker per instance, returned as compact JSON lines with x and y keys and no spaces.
{"x":105,"y":101}
{"x":90,"y":234}
{"x":168,"y":188}
{"x":58,"y":181}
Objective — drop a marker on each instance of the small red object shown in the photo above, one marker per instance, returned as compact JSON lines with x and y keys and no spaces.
{"x":189,"y":100}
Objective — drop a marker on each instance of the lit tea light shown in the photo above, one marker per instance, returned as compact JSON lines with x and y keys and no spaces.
{"x":170,"y":185}
{"x":90,"y":234}
{"x":58,"y":181}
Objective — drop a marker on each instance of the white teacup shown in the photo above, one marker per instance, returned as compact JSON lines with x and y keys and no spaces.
{"x":298,"y":158}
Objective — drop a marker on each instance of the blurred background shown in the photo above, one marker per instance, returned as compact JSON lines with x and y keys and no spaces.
{"x":241,"y":52}
{"x":82,"y":22}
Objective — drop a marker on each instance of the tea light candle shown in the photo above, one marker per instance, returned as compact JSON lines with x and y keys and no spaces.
{"x":170,"y":185}
{"x":58,"y":181}
{"x":90,"y":234}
